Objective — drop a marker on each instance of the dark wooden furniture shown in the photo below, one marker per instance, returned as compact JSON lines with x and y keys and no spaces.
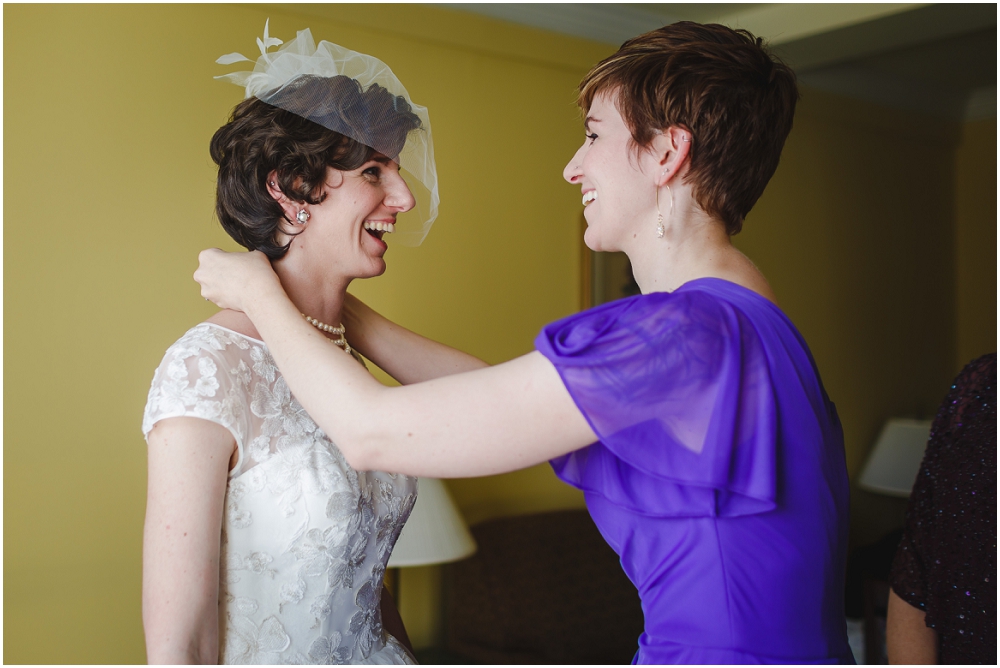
{"x":542,"y":589}
{"x":867,"y":593}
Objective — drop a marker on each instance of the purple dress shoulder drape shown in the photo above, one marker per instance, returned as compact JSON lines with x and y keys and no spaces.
{"x":719,"y":477}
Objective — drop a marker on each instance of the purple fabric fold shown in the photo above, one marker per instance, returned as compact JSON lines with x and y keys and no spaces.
{"x":678,"y":389}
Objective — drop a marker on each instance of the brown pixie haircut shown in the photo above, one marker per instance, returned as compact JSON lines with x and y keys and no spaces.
{"x":722,"y":85}
{"x":260,"y":138}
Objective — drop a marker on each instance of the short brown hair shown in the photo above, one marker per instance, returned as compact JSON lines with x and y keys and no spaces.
{"x":722,"y":85}
{"x":260,"y":138}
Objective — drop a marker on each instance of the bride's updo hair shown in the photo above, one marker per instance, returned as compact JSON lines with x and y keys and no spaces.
{"x":723,"y":85}
{"x":260,"y":138}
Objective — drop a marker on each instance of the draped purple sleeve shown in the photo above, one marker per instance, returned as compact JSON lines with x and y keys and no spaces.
{"x":678,"y":389}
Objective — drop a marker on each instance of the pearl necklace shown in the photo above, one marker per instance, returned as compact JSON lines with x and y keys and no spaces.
{"x":337,"y":331}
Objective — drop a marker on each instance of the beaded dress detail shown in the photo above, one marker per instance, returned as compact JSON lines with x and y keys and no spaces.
{"x":305,"y":537}
{"x":946,"y":562}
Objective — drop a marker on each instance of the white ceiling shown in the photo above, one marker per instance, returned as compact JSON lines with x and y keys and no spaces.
{"x":938,"y":59}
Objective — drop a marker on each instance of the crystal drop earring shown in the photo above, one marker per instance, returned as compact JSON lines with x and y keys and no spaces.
{"x":659,"y":216}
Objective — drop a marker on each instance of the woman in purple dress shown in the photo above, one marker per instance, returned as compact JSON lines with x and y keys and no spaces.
{"x":692,"y":415}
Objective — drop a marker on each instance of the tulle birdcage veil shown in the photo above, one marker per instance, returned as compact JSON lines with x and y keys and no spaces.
{"x":281,"y":78}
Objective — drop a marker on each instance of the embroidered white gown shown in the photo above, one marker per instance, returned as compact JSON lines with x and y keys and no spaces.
{"x":305,"y":538}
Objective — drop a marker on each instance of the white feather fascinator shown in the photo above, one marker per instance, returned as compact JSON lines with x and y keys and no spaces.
{"x":277,"y":79}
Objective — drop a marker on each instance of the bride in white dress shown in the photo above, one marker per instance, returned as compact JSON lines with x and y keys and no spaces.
{"x":262,"y":544}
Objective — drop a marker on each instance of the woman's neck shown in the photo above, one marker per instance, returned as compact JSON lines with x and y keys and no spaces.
{"x":316,"y":293}
{"x":318,"y":296}
{"x":694,"y":245}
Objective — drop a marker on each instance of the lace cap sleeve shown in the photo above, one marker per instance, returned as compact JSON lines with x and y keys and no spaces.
{"x":677,"y":388}
{"x":203,"y":376}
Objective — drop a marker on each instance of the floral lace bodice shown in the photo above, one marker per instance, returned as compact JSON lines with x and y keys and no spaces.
{"x":305,"y":538}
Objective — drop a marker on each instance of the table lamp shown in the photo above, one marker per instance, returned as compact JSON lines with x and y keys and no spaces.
{"x":894,"y":462}
{"x":435,"y":533}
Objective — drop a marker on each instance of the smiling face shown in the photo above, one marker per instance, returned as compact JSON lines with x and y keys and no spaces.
{"x":344,"y":233}
{"x":617,"y":188}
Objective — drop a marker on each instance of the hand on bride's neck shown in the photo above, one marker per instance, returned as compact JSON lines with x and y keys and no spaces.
{"x":317,"y":293}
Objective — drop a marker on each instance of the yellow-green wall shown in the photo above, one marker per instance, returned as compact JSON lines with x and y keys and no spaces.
{"x":976,"y":239}
{"x":108,"y":198}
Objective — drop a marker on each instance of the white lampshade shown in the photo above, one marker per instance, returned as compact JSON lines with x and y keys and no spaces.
{"x":435,"y":533}
{"x":894,"y":462}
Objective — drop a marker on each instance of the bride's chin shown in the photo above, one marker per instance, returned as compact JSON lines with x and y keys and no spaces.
{"x":377,"y":269}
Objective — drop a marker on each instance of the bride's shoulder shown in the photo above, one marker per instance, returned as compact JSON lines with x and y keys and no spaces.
{"x":234,"y":321}
{"x":219,"y":336}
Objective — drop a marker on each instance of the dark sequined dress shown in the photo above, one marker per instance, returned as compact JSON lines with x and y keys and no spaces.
{"x":946,"y":562}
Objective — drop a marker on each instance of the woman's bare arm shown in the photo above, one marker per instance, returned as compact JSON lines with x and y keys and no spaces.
{"x":481,"y":422}
{"x":907,"y":638}
{"x":188,"y":469}
{"x":404,"y":355}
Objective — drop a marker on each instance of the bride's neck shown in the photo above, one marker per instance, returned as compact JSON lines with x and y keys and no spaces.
{"x":318,"y":294}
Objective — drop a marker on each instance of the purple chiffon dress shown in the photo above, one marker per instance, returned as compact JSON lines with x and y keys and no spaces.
{"x":719,"y":477}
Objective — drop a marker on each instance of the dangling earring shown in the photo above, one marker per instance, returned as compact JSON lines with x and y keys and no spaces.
{"x":659,"y":216}
{"x":302,"y":216}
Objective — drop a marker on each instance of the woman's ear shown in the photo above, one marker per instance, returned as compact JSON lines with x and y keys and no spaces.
{"x":288,"y":207}
{"x":671,"y":149}
{"x":334,"y":178}
{"x":272,"y":186}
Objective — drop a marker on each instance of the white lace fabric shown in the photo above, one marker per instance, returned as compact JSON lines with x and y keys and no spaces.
{"x":305,"y":537}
